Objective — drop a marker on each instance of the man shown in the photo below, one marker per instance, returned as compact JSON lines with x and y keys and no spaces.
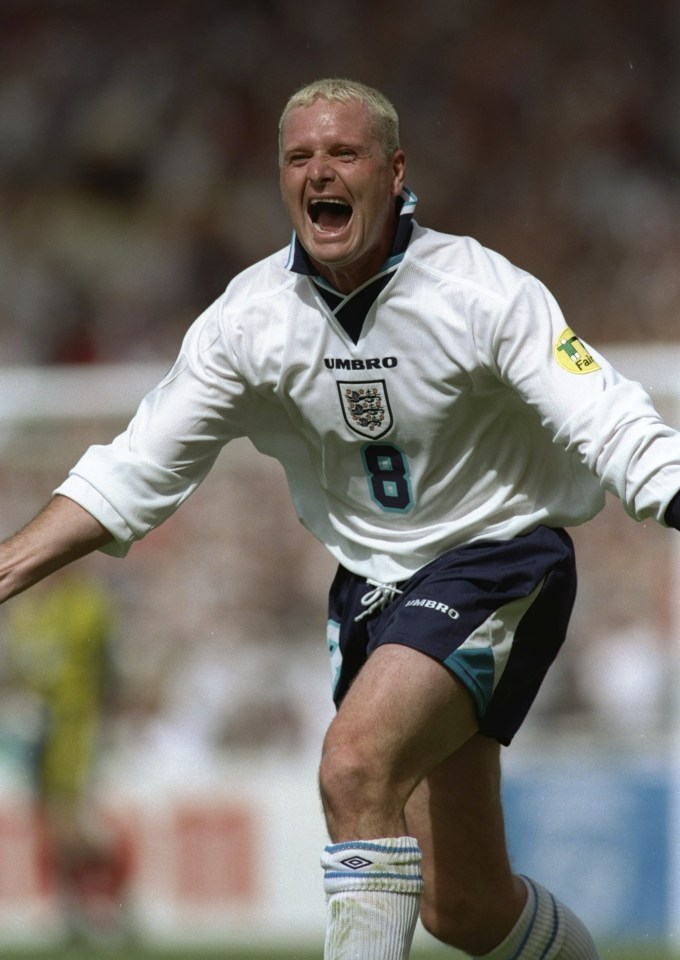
{"x":439,"y":425}
{"x":57,"y":640}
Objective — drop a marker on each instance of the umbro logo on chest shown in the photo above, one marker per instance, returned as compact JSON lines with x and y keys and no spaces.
{"x":371,"y":363}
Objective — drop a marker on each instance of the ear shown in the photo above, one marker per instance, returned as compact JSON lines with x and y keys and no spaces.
{"x":398,"y":163}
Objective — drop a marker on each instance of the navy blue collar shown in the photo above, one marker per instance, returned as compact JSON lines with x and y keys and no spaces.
{"x":298,"y":261}
{"x":351,"y":309}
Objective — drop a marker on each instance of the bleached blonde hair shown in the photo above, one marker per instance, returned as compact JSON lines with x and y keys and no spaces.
{"x":340,"y":90}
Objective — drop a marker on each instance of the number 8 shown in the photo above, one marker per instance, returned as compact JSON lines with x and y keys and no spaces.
{"x":388,"y":476}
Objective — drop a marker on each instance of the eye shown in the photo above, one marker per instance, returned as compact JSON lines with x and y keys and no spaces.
{"x":296,"y":159}
{"x":345,"y":153}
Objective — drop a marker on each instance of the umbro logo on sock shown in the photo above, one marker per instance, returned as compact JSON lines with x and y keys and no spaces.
{"x":356,"y":863}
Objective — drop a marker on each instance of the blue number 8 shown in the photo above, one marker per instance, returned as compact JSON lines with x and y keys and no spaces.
{"x":388,"y":476}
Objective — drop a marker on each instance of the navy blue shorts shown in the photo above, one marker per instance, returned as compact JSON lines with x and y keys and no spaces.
{"x":495,"y":613}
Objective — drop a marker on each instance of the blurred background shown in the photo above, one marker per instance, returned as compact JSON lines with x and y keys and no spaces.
{"x":138,"y":174}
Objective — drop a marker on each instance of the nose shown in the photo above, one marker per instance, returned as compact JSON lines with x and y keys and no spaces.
{"x":319,"y":170}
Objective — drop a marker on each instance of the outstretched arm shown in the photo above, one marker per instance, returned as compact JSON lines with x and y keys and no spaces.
{"x":62,"y":532}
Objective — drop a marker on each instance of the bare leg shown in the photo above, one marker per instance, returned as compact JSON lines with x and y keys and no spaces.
{"x":405,"y":772}
{"x":471,"y":899}
{"x":404,"y":714}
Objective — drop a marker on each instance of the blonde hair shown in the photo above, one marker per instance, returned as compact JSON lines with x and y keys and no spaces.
{"x":338,"y":90}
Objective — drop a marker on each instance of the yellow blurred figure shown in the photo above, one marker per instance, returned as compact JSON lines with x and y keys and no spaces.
{"x":58,"y":643}
{"x":58,"y":647}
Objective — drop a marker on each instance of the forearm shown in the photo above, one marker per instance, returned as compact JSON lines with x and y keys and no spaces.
{"x":62,"y":532}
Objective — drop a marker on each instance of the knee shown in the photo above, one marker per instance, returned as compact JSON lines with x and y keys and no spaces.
{"x":443,"y":920}
{"x":459,"y":921}
{"x":347,"y":773}
{"x":473,"y":918}
{"x":361,"y":795}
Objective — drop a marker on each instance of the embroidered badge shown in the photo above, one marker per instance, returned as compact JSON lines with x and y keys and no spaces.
{"x":366,"y":407}
{"x":572,"y":355}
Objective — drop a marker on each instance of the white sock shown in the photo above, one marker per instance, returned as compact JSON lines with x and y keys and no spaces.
{"x":546,"y":930}
{"x":372,"y":898}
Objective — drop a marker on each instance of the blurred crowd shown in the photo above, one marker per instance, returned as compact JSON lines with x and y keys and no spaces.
{"x":138,"y":173}
{"x":138,"y":152}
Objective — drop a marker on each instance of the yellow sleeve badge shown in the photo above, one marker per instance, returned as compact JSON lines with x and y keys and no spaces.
{"x":572,"y":355}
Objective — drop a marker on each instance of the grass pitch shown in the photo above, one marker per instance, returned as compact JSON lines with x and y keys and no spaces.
{"x":227,"y":953}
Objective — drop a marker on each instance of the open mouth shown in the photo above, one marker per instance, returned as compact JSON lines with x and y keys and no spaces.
{"x":329,"y":214}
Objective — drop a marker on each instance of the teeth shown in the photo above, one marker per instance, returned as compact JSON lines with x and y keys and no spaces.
{"x":317,"y":204}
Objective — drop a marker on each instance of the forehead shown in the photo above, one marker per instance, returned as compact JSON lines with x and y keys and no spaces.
{"x":326,"y":121}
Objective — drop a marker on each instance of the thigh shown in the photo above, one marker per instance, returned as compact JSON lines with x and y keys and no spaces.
{"x":404,"y":714}
{"x":456,"y":814}
{"x":407,"y":708}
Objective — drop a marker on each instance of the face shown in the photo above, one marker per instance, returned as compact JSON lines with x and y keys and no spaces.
{"x":339,"y":189}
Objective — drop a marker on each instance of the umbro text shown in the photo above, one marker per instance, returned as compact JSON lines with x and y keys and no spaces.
{"x":433,"y":605}
{"x":373,"y":363}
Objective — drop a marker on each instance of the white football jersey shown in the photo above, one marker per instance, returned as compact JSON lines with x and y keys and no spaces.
{"x":465,"y":410}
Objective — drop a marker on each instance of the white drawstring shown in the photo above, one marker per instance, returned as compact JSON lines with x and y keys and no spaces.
{"x":378,"y":598}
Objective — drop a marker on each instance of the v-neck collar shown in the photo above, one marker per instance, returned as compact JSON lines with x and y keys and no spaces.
{"x":350,"y":309}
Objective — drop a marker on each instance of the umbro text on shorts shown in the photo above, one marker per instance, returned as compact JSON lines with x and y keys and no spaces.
{"x":494,"y":612}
